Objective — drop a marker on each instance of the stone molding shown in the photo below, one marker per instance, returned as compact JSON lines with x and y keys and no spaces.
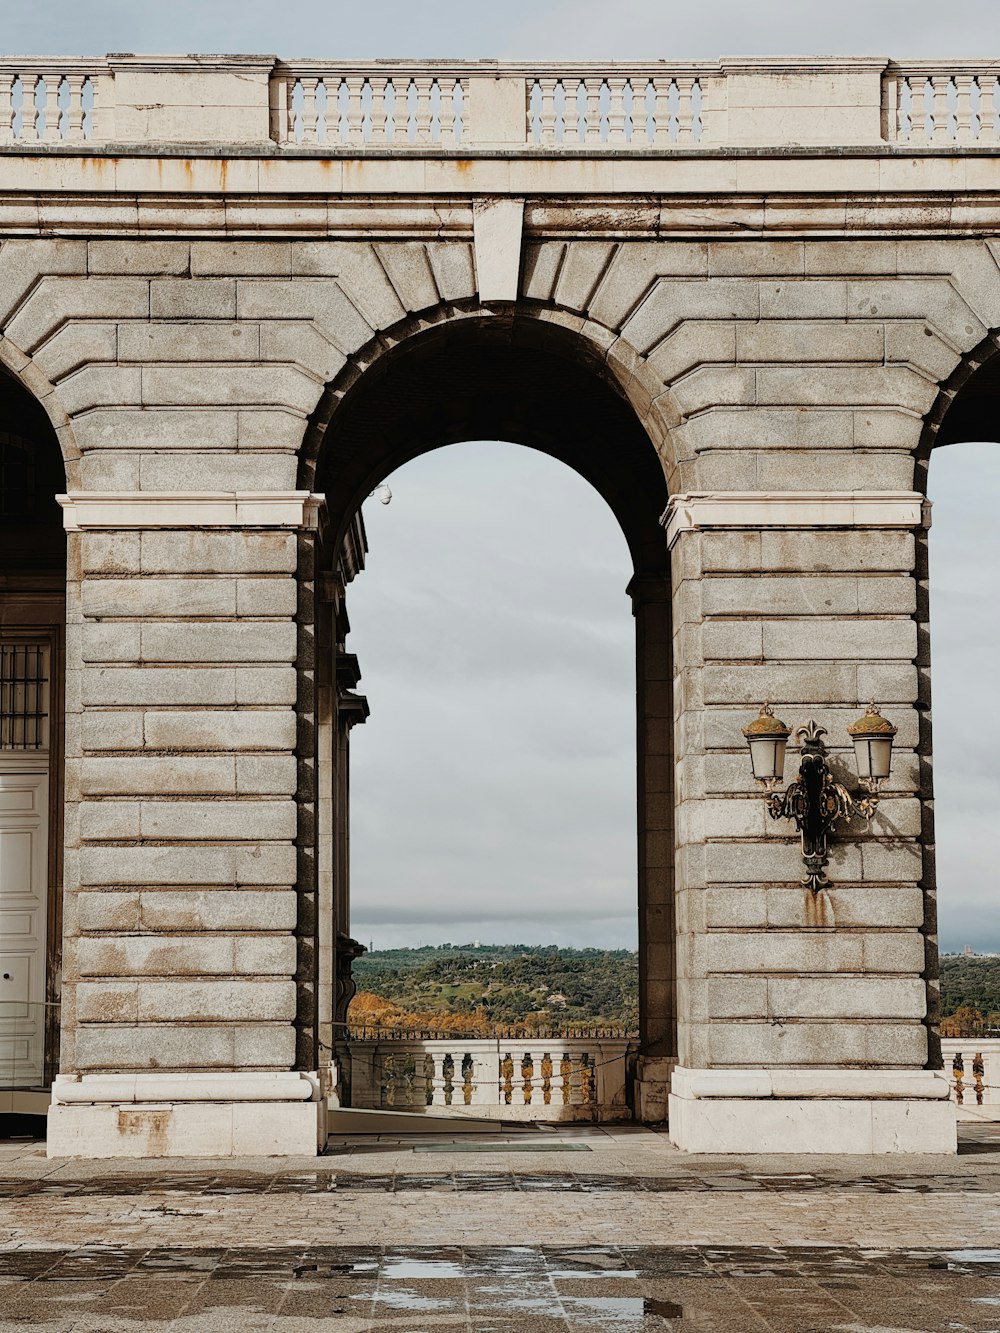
{"x":94,"y":1089}
{"x":838,"y":1084}
{"x":695,"y":511}
{"x":95,"y":510}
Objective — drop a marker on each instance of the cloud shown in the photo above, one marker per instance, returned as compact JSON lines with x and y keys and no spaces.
{"x":520,"y":29}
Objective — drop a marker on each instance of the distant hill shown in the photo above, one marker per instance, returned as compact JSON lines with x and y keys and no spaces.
{"x":970,"y":982}
{"x":497,"y":985}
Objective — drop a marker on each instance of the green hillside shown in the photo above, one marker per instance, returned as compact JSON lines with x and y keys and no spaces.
{"x":508,"y":983}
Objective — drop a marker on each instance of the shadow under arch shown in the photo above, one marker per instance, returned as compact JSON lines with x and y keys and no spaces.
{"x":525,"y":380}
{"x":32,"y":714}
{"x":966,"y":410}
{"x":532,"y":382}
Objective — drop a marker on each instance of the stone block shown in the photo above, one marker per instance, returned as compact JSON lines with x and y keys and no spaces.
{"x":239,"y":258}
{"x":106,"y":1002}
{"x":266,"y":685}
{"x":205,"y":730}
{"x":851,"y":639}
{"x":846,"y":997}
{"x":182,"y":341}
{"x":198,"y":1001}
{"x":208,"y":641}
{"x":139,"y":686}
{"x":109,"y":553}
{"x":110,"y":642}
{"x":785,"y":952}
{"x":194,"y":865}
{"x":215,"y":820}
{"x":196,"y":552}
{"x":808,"y":298}
{"x":110,"y":730}
{"x":169,"y":775}
{"x":266,"y":775}
{"x":218,"y":909}
{"x":159,"y":597}
{"x":142,"y":955}
{"x":121,"y":428}
{"x":210,"y":386}
{"x":107,"y":911}
{"x":134,"y":256}
{"x":198,"y":298}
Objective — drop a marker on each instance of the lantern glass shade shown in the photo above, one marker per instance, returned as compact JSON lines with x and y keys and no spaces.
{"x":873,"y":753}
{"x":767,"y":756}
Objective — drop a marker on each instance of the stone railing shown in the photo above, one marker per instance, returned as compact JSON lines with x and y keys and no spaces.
{"x":548,"y":1079}
{"x":933,"y":103}
{"x":348,"y":107}
{"x":972,"y":1065}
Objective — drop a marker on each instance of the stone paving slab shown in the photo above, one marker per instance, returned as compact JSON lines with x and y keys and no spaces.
{"x":630,"y":1237}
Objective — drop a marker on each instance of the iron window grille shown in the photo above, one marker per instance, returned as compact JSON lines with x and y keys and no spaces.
{"x":24,"y":712}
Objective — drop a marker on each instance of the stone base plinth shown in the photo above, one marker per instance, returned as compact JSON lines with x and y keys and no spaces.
{"x":194,"y":1116}
{"x":811,"y":1111}
{"x":652,"y":1086}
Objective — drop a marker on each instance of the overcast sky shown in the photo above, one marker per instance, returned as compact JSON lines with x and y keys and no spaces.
{"x":494,"y":785}
{"x":574,"y":29}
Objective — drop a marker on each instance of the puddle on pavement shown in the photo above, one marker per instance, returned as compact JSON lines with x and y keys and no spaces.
{"x":414,"y":1270}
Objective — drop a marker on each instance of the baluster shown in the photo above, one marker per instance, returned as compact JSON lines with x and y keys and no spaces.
{"x":918,"y":110}
{"x":74,"y":112}
{"x":52,"y":133}
{"x":29,"y":112}
{"x":571,"y":114}
{"x":527,"y":1073}
{"x":958,"y":1070}
{"x":290,"y":109}
{"x":310,"y":112}
{"x":506,"y":1080}
{"x":468,"y":1078}
{"x":566,"y":1077}
{"x":423,"y":86}
{"x":575,"y":1081}
{"x":588,"y":1087}
{"x":546,"y":1076}
{"x":899,"y":112}
{"x":685,"y":110}
{"x":616,"y":111}
{"x":978,"y":1070}
{"x":447,"y":114}
{"x":7,"y":108}
{"x":661,"y":109}
{"x":379,"y":111}
{"x":963,"y":108}
{"x":593,"y":87}
{"x":547,"y":114}
{"x":942,"y":130}
{"x":987,"y":110}
{"x":355,"y":114}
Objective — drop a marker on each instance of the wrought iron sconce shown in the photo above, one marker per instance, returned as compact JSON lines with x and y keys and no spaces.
{"x":815,"y":800}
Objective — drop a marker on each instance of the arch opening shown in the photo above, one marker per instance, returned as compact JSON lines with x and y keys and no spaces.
{"x":545,"y":389}
{"x":959,"y":470}
{"x":32,"y":637}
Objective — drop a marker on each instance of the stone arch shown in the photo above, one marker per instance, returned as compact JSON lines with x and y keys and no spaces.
{"x":546,"y":383}
{"x":554,"y":356}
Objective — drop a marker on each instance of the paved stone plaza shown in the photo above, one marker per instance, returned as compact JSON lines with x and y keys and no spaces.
{"x":525,"y":1231}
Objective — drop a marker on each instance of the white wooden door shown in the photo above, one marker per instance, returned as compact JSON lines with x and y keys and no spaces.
{"x":24,"y":846}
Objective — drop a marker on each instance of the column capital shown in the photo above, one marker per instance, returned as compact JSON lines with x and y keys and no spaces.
{"x":697,"y":510}
{"x":96,"y":510}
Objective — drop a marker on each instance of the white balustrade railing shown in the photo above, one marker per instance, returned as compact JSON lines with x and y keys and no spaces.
{"x":644,"y":109}
{"x":459,"y":106}
{"x":48,"y":101}
{"x":972,"y":1066}
{"x":516,"y":1079}
{"x":935,"y":104}
{"x":368,"y":108}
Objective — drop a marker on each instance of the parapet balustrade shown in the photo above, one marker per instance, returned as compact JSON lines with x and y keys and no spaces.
{"x":547,"y":1079}
{"x":972,"y":1066}
{"x":460,"y":106}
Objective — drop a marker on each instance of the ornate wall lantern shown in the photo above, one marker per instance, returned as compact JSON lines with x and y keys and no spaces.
{"x":815,"y":800}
